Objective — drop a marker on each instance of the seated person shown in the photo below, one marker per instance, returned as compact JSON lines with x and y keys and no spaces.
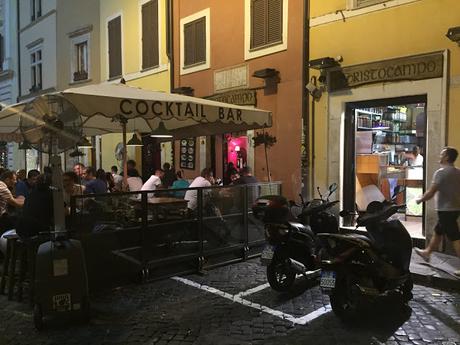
{"x":71,"y":187}
{"x":7,"y":182}
{"x":37,"y":214}
{"x":179,"y":184}
{"x":23,"y":187}
{"x":154,"y":182}
{"x":204,"y":180}
{"x":97,"y":183}
{"x":134,"y":180}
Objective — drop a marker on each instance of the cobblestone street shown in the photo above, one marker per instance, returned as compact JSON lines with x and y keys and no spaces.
{"x":233,"y":305}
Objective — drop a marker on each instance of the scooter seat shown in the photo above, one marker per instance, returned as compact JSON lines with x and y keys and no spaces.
{"x":299,"y":227}
{"x":364,"y":238}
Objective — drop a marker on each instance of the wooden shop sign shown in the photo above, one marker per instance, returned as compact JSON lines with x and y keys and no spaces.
{"x":238,"y":97}
{"x":416,"y":67}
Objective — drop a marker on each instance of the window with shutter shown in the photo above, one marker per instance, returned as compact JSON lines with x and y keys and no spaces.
{"x":115,"y":57}
{"x":150,"y":42}
{"x":35,"y":9}
{"x":266,"y":23}
{"x":195,"y":42}
{"x":364,"y":3}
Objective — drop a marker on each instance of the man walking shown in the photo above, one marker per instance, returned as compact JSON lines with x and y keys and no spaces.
{"x":446,"y":187}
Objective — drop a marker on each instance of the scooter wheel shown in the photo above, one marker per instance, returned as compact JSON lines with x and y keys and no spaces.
{"x":343,"y":302}
{"x":279,"y":277}
{"x":407,"y":290}
{"x":85,"y":310}
{"x":38,"y":317}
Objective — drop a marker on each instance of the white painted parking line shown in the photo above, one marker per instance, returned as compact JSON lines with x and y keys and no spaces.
{"x":253,"y":290}
{"x":236,"y":298}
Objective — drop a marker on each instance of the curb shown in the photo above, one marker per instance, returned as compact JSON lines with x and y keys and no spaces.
{"x":436,"y":282}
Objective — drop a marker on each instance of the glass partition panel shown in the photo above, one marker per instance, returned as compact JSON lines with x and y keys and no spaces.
{"x":223,"y":216}
{"x":105,"y":212}
{"x":256,"y":228}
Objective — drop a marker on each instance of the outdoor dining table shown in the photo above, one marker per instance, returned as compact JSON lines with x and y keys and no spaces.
{"x":159,"y":204}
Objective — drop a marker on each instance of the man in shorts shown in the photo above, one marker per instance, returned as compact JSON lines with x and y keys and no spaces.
{"x":446,"y":189}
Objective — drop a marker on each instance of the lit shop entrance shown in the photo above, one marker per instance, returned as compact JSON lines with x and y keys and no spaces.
{"x":386,"y":141}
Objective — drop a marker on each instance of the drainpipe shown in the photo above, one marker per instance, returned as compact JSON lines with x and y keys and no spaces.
{"x":170,"y":54}
{"x":18,"y":25}
{"x":312,"y":179}
{"x":170,"y":44}
{"x":305,"y":173}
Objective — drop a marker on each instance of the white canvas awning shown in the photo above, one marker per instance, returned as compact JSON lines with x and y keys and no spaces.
{"x":102,"y":105}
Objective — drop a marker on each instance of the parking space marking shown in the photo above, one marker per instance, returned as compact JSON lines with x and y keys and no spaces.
{"x":237,"y":298}
{"x":253,"y":290}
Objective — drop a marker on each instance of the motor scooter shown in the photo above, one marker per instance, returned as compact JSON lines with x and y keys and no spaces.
{"x":362,"y":270}
{"x":292,"y":244}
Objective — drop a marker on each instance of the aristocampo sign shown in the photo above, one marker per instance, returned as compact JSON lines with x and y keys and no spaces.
{"x":240,"y":97}
{"x":417,"y":67}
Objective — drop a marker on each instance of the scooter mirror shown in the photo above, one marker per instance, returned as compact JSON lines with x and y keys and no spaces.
{"x":398,"y":190}
{"x":332,"y":188}
{"x":344,"y":213}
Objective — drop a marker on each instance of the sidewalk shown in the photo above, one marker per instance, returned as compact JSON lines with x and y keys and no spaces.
{"x":438,"y":272}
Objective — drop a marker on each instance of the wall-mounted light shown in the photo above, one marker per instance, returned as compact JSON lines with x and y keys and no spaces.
{"x":324,"y":63}
{"x":183,"y":90}
{"x":329,"y":68}
{"x":454,"y":34}
{"x":271,"y":78}
{"x":237,"y":148}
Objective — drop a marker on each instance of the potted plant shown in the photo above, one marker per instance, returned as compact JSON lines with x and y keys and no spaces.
{"x":264,"y":138}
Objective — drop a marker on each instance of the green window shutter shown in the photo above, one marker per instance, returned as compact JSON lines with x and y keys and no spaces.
{"x":115,"y":58}
{"x":364,"y":3}
{"x":200,"y":40}
{"x":189,"y":44}
{"x":258,"y":23}
{"x":266,"y":22}
{"x":275,"y":21}
{"x":150,"y":51}
{"x":195,"y":42}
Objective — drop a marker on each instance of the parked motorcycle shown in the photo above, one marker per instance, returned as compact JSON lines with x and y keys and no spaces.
{"x":361,"y":270}
{"x":292,"y":246}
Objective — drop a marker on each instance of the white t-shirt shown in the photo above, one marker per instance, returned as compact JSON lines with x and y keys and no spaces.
{"x":151,"y":184}
{"x":118,"y":181}
{"x":134,"y":183}
{"x":417,"y":162}
{"x":192,"y":195}
{"x":5,"y":195}
{"x":447,"y":180}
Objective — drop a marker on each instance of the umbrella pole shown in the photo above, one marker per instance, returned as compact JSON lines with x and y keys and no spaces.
{"x":125,"y":164}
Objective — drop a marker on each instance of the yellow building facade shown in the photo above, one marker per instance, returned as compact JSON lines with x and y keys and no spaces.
{"x":395,"y":85}
{"x":129,"y":15}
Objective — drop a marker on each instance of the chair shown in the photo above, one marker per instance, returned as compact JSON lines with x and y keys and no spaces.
{"x":19,"y":252}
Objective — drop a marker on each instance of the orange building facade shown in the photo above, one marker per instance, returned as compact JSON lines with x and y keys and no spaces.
{"x":247,"y":52}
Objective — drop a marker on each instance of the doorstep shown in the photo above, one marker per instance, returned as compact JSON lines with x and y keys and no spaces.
{"x":438,"y":272}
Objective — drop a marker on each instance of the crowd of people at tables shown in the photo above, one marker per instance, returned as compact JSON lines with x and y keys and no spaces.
{"x":22,"y":193}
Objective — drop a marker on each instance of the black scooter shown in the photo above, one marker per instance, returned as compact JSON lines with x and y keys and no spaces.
{"x":361,"y":270}
{"x":292,"y":245}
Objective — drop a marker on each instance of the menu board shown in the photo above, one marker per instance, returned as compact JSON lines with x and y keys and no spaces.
{"x":187,"y":153}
